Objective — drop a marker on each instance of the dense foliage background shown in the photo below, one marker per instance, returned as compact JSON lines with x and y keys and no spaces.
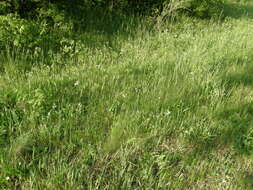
{"x":32,"y":24}
{"x":31,"y":8}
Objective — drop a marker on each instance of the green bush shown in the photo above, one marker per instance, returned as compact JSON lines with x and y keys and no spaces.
{"x":197,"y":8}
{"x":205,"y":8}
{"x":37,"y":23}
{"x":19,"y":33}
{"x":33,"y":8}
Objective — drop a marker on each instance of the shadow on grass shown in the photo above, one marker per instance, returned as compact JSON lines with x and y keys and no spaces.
{"x":237,"y":127}
{"x":245,"y":77}
{"x":238,"y":10}
{"x":234,"y":129}
{"x":246,"y":180}
{"x":234,"y":122}
{"x":97,"y":28}
{"x":238,"y":131}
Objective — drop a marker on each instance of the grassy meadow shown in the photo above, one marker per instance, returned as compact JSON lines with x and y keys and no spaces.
{"x":135,"y":107}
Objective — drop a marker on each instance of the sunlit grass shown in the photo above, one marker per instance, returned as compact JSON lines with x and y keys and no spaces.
{"x":155,"y":110}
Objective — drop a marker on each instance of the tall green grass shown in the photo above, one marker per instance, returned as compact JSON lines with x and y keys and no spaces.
{"x":136,"y":109}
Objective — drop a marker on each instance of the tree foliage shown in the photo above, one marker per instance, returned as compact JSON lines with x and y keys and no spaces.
{"x":33,"y":8}
{"x":30,"y":24}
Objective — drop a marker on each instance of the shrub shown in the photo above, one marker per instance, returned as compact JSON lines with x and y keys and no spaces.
{"x":27,"y":23}
{"x":205,"y":8}
{"x":17,"y":33}
{"x":197,"y":8}
{"x":31,"y":8}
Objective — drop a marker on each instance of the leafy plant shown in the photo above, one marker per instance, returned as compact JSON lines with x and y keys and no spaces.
{"x":19,"y":33}
{"x":205,"y":8}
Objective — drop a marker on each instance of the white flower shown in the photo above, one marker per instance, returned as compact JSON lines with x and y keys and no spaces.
{"x":76,"y":83}
{"x":167,"y":113}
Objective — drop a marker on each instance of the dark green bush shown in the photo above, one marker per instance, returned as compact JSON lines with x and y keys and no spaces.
{"x":205,"y":8}
{"x":197,"y":8}
{"x":34,"y":8}
{"x":32,"y":24}
{"x":18,"y":33}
